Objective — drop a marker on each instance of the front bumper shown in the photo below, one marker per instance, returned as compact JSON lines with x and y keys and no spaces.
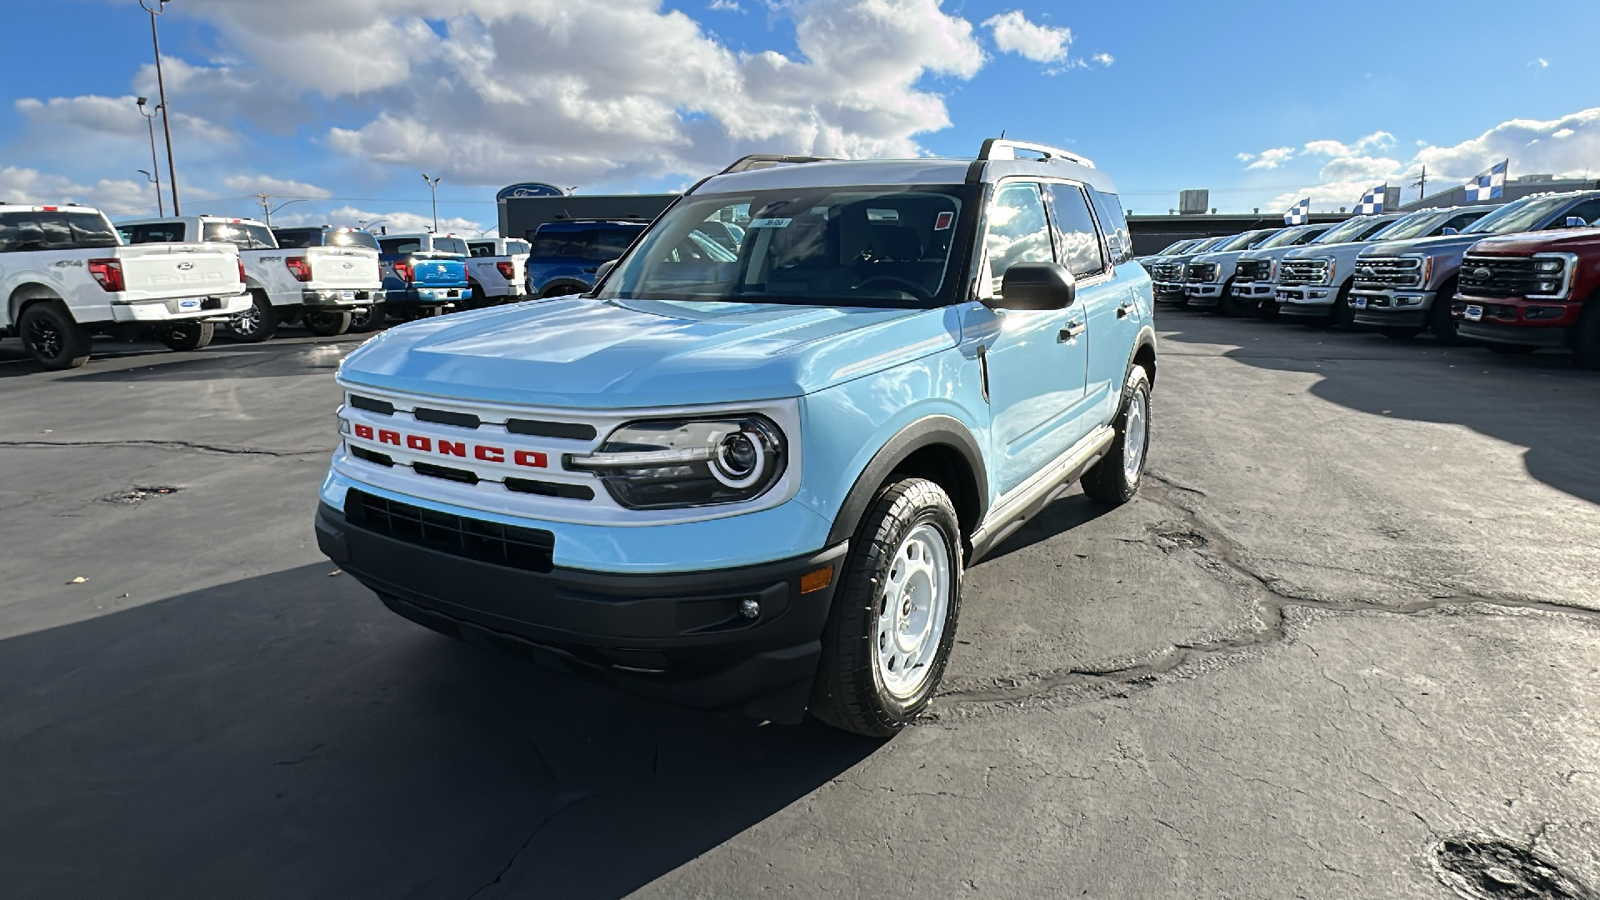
{"x":1203,"y":294}
{"x":1170,"y":291}
{"x":1402,"y":308}
{"x":678,"y":637}
{"x":182,"y":309}
{"x":428,"y":295}
{"x":1519,"y":335}
{"x":340,"y":298}
{"x":1305,"y":300}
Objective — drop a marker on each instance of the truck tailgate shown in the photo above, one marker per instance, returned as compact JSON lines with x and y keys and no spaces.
{"x":440,"y":271}
{"x":165,"y":271}
{"x":346,"y":268}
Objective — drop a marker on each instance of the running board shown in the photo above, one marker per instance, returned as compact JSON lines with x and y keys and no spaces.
{"x":1029,"y":499}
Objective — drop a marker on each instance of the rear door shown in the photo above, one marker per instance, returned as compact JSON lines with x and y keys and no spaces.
{"x":1109,"y":303}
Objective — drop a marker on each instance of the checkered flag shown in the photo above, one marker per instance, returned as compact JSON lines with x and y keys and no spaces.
{"x":1371,"y":203}
{"x":1298,"y":213}
{"x":1488,"y":186}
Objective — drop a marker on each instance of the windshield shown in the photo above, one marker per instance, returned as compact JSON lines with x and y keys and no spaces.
{"x":1177,"y":247}
{"x":1239,"y":241}
{"x":244,"y":235}
{"x":1414,"y":225}
{"x":1523,"y":215}
{"x":1209,"y":243}
{"x":352,"y":238}
{"x":1285,"y":238}
{"x":828,"y":246}
{"x":1346,"y":231}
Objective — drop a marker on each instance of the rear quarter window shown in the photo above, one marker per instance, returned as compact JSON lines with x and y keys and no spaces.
{"x":1114,"y":222}
{"x":58,"y":230}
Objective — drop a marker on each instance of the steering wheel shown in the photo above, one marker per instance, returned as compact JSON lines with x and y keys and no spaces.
{"x":903,"y":284}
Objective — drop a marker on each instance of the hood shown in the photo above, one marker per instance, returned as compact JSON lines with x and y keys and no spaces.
{"x":1569,"y":240}
{"x":1443,"y":243}
{"x":578,"y":352}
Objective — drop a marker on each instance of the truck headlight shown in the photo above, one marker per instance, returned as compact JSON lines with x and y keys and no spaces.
{"x":675,"y":463}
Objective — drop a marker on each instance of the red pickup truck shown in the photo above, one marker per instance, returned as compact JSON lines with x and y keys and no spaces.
{"x":1521,"y":292}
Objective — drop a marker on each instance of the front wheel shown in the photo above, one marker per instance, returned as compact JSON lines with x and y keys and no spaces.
{"x":893,"y":619}
{"x":1234,"y":307}
{"x":1115,"y":478}
{"x":323,"y":323}
{"x":1441,"y":319}
{"x":1586,"y":341}
{"x":187,"y":335}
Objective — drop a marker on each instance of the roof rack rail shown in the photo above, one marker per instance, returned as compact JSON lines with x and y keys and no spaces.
{"x":769,"y":160}
{"x":1000,"y":148}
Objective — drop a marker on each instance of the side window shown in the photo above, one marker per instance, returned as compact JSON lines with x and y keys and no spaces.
{"x":1018,"y":232}
{"x":1115,"y":224}
{"x":1588,"y":210}
{"x":1076,"y":239}
{"x":1462,"y":221}
{"x":606,"y":245}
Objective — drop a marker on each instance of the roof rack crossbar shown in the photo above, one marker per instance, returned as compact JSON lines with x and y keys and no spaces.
{"x":1000,"y":148}
{"x":769,"y":160}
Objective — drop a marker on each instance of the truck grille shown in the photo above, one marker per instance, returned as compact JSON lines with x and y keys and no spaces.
{"x":1201,"y":273}
{"x":1499,"y":276}
{"x":1251,"y":270}
{"x":529,"y":549}
{"x":1303,"y":271}
{"x":1167,"y":271}
{"x":1388,"y":272}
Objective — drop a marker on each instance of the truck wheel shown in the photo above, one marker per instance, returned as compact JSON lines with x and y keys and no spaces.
{"x":1399,"y":333}
{"x":1232,"y":306}
{"x":1586,"y":340}
{"x":1115,"y":478}
{"x":1441,"y":321}
{"x":367,"y":320}
{"x":894,"y":614}
{"x":1343,"y":315}
{"x":326,"y":324}
{"x":53,"y":339}
{"x":258,"y":323}
{"x":187,"y":335}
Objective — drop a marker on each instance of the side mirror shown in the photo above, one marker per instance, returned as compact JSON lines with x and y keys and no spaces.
{"x":1449,"y":231}
{"x":604,"y":270}
{"x":1036,"y":286}
{"x":1575,"y":222}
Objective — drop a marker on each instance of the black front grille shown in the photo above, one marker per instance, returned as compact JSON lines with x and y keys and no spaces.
{"x":529,"y":549}
{"x":1488,"y":276}
{"x":1168,"y":272}
{"x":1302,"y":271}
{"x":1389,"y":271}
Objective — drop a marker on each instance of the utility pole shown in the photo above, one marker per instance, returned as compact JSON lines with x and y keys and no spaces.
{"x":267,"y":209}
{"x":433,"y":188}
{"x":1421,"y":184}
{"x":155,"y":162}
{"x":161,"y":91}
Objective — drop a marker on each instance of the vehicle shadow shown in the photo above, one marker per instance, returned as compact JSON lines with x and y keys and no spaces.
{"x":1060,"y":517}
{"x":286,"y":736}
{"x":1538,"y":402}
{"x":122,"y":361}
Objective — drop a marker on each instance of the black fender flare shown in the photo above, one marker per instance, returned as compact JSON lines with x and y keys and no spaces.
{"x":934,"y":430}
{"x":1145,"y":340}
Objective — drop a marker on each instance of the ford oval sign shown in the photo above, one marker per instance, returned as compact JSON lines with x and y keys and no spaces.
{"x":529,"y":189}
{"x":1482,"y":274}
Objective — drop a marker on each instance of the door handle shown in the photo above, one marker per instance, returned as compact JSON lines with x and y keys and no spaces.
{"x":1123,"y":310}
{"x":1071,"y":332}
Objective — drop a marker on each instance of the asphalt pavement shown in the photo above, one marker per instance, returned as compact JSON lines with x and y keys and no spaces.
{"x":1345,"y":643}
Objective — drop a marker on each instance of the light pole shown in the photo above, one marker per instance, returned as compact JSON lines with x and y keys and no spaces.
{"x":267,"y":209}
{"x":161,"y":91}
{"x":433,"y":188}
{"x":155,"y":163}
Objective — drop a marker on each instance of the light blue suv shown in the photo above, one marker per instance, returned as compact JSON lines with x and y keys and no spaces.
{"x":751,"y":480}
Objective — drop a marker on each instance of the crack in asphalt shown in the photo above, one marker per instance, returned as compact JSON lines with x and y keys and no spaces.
{"x":165,"y":445}
{"x":528,"y":841}
{"x":1220,"y":554}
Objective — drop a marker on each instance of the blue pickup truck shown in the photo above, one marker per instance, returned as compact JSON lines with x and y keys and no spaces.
{"x":566,"y":255}
{"x":749,"y":475}
{"x":423,"y":275}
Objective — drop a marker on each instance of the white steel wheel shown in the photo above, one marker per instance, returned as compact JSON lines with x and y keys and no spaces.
{"x":1135,"y":435}
{"x":912,"y":609}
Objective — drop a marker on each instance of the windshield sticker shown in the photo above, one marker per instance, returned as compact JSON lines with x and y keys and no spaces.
{"x":883,"y":215}
{"x":943,"y":220}
{"x":770,"y":223}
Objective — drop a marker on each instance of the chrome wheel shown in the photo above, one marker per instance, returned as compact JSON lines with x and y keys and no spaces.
{"x":912,"y":610}
{"x":248,"y":323}
{"x":1135,"y":434}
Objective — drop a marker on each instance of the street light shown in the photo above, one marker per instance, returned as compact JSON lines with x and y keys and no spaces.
{"x":433,"y":188}
{"x":161,"y":91}
{"x":267,"y":210}
{"x":155,"y":163}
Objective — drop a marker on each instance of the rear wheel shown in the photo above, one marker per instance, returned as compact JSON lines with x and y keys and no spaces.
{"x":186,"y":335}
{"x":53,"y":338}
{"x":1115,"y":478}
{"x":367,"y":320}
{"x":258,"y":323}
{"x":893,"y":619}
{"x":1441,"y":320}
{"x":326,"y":323}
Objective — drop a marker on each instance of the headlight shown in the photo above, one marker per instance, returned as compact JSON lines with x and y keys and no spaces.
{"x":675,"y":463}
{"x":1548,"y":265}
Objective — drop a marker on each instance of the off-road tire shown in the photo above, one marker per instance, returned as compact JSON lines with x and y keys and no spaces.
{"x":1343,"y":315}
{"x":1441,"y":318}
{"x":53,"y":338}
{"x":1233,"y":307}
{"x":326,"y":324}
{"x":263,"y":314}
{"x":848,"y":692}
{"x":1586,"y":337}
{"x":186,"y":335}
{"x":1109,"y":481}
{"x":369,"y":321}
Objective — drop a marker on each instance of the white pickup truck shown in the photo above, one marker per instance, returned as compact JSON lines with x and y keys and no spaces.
{"x":319,"y":286}
{"x":497,"y":269}
{"x":65,"y":276}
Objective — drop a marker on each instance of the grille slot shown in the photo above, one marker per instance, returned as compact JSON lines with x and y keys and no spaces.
{"x":550,"y":488}
{"x":464,"y":476}
{"x":445,"y":417}
{"x":371,"y":456}
{"x":381,"y":407}
{"x":1388,"y":271}
{"x":529,"y":549}
{"x":571,"y":431}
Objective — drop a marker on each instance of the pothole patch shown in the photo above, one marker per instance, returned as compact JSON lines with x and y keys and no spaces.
{"x":1479,"y":867}
{"x":1185,"y":540}
{"x":139,"y":493}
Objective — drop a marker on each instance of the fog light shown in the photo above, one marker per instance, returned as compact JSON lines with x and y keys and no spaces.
{"x":749,"y":608}
{"x":1543,"y":312}
{"x":1548,"y":287}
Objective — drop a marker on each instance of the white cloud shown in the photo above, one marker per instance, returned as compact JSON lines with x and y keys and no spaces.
{"x":1104,"y":59}
{"x":114,"y":196}
{"x":1267,"y":159}
{"x":1378,"y":140}
{"x":1540,"y":63}
{"x":725,"y":6}
{"x":278,"y":187}
{"x":1013,"y":33}
{"x":1573,"y":148}
{"x":395,"y":222}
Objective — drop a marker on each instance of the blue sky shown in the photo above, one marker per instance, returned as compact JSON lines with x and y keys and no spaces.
{"x":345,"y":102}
